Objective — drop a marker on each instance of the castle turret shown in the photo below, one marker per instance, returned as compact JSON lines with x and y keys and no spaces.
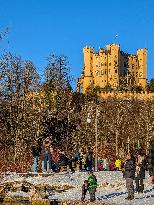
{"x":142,"y":67}
{"x":88,"y":53}
{"x":113,"y":51}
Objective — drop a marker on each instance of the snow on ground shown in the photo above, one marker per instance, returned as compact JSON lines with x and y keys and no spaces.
{"x":111,"y":187}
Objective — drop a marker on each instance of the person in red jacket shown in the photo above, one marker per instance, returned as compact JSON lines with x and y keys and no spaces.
{"x":112,"y":168}
{"x":54,"y":159}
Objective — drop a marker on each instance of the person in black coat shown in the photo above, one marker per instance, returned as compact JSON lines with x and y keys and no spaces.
{"x":151,"y":160}
{"x":129,"y":175}
{"x":140,"y":172}
{"x":89,"y":159}
{"x":64,"y":161}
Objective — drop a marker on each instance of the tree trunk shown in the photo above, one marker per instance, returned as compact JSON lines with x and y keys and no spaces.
{"x":147,"y":139}
{"x":116,"y":143}
{"x":128,"y":144}
{"x":96,"y":139}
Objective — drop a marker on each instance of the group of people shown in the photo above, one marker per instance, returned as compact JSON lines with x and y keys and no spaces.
{"x":133,"y":169}
{"x":52,"y":159}
{"x":106,"y":165}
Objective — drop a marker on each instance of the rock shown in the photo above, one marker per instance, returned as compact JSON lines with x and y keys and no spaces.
{"x":40,"y":202}
{"x":80,"y":203}
{"x":17,"y":197}
{"x":8,"y":186}
{"x":36,"y":197}
{"x":2,"y":193}
{"x":1,"y":188}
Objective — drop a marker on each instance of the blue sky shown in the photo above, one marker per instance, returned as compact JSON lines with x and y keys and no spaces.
{"x":39,"y":27}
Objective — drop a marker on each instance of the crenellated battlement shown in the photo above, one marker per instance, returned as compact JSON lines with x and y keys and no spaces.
{"x":127,"y":95}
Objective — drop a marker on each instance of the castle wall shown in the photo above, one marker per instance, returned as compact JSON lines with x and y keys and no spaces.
{"x":127,"y":95}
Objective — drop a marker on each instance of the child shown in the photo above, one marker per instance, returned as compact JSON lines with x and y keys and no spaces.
{"x":84,"y":190}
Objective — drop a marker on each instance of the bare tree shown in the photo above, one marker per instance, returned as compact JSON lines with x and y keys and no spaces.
{"x":18,"y":79}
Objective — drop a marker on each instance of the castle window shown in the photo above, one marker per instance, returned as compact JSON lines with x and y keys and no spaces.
{"x":141,"y":74}
{"x":109,"y":64}
{"x":132,"y":66}
{"x":102,"y":64}
{"x":109,"y":71}
{"x":97,"y":72}
{"x":105,"y":63}
{"x":115,"y":71}
{"x":97,"y":64}
{"x":105,"y":71}
{"x":102,"y":72}
{"x":105,"y":81}
{"x":115,"y":62}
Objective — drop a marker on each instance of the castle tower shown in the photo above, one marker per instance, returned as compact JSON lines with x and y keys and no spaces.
{"x":142,"y":67}
{"x":88,"y":53}
{"x":113,"y":51}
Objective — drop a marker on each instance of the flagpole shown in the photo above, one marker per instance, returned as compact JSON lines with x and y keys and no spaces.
{"x":115,"y":37}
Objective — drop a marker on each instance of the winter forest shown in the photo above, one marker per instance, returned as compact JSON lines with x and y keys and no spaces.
{"x":33,"y":106}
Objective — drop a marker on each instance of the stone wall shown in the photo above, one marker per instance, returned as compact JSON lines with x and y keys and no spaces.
{"x":127,"y":95}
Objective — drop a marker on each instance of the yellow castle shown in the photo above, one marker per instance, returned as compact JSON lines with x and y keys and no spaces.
{"x":109,"y":66}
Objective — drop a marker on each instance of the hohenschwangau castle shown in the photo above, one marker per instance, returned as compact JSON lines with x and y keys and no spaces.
{"x":110,"y":65}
